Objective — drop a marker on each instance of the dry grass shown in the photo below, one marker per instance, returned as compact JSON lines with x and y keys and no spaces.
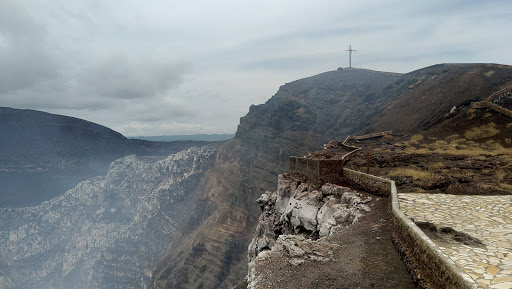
{"x":452,"y":137}
{"x":415,"y":139}
{"x":460,"y":146}
{"x":506,"y":186}
{"x":483,"y":131}
{"x":489,"y":73}
{"x":410,"y":172}
{"x":509,"y":125}
{"x":388,"y":137}
{"x":500,"y":174}
{"x":436,"y":166}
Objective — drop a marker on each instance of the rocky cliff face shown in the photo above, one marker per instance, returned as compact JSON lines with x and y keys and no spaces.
{"x":107,"y":232}
{"x":300,"y":207}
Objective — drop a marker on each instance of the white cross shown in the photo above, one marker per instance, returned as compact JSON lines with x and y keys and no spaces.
{"x":350,"y":55}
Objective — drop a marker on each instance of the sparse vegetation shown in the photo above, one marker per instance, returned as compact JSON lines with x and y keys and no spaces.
{"x":436,"y":166}
{"x":475,"y":160}
{"x":416,"y":138}
{"x":483,"y":131}
{"x":507,"y":187}
{"x":500,"y":174}
{"x":489,"y":73}
{"x":410,"y":172}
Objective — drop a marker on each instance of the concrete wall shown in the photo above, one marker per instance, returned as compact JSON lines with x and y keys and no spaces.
{"x":306,"y":167}
{"x":320,"y":171}
{"x":432,"y":267}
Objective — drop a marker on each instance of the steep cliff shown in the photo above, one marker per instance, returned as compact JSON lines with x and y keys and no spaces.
{"x":107,"y":232}
{"x":302,"y":115}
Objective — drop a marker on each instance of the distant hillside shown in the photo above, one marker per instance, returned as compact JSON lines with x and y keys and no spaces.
{"x":44,"y":154}
{"x":198,"y":137}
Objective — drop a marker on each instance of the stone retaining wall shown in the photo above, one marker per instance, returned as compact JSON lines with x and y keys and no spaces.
{"x":432,"y":267}
{"x":331,"y":171}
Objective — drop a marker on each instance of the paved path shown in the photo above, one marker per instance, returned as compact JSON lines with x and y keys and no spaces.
{"x":488,"y":218}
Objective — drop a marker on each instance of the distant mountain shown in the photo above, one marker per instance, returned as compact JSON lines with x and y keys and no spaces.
{"x":43,"y":154}
{"x":198,"y":137}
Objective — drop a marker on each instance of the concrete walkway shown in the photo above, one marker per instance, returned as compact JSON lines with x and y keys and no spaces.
{"x":487,"y":218}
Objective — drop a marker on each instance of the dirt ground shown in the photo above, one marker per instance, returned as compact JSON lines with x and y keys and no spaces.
{"x":365,"y":258}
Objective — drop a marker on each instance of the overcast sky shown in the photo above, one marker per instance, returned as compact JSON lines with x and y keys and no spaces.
{"x":158,"y":67}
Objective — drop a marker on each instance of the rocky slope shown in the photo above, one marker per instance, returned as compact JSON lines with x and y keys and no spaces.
{"x":302,"y":115}
{"x":107,"y":232}
{"x":44,"y":155}
{"x":301,"y":208}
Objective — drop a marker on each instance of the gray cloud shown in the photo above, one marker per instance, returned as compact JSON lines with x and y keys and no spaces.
{"x":25,"y":57}
{"x":121,"y":77}
{"x":164,"y":67}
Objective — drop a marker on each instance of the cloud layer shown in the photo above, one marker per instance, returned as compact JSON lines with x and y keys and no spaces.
{"x":179,"y":67}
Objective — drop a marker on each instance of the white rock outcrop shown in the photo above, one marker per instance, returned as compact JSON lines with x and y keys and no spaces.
{"x":297,"y":217}
{"x":297,"y":207}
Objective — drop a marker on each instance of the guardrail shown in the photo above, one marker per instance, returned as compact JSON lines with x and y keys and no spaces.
{"x":488,"y":104}
{"x":499,"y":92}
{"x":484,"y":104}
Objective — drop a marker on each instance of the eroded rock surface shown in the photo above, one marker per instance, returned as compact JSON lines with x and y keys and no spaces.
{"x":107,"y":232}
{"x":296,"y":219}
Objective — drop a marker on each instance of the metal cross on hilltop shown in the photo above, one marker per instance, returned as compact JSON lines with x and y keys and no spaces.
{"x":350,"y":55}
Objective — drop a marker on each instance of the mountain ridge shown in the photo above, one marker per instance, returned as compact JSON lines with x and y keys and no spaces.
{"x":44,"y":154}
